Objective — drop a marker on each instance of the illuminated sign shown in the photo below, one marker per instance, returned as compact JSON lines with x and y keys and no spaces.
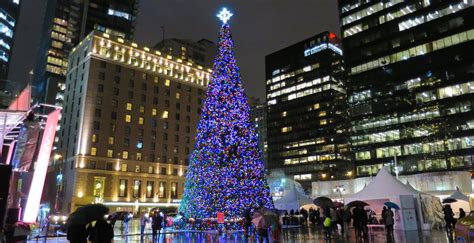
{"x":321,"y":47}
{"x":39,"y":176}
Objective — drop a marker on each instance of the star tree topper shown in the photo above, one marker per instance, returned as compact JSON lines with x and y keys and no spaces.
{"x":224,"y":15}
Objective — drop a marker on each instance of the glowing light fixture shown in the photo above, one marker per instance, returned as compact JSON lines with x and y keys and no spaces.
{"x":224,"y":15}
{"x":39,"y":176}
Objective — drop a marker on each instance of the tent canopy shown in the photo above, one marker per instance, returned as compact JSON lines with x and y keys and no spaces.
{"x":383,"y":186}
{"x":458,"y":195}
{"x":292,"y":200}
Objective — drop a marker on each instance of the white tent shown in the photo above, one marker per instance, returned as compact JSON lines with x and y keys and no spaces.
{"x":385,"y":187}
{"x":463,"y":202}
{"x":382,"y":186}
{"x":292,"y":200}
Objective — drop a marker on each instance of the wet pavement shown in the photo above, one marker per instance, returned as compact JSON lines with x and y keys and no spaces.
{"x":301,"y":234}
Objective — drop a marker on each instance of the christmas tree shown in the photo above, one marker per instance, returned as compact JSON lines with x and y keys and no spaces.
{"x":225,"y":172}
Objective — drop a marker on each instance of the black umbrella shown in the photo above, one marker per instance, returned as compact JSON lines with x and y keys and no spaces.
{"x":323,"y":202}
{"x":357,"y":203}
{"x":449,"y":200}
{"x":88,"y":213}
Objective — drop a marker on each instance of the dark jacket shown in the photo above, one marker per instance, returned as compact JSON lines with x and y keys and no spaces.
{"x":78,"y":233}
{"x":157,"y":221}
{"x":102,"y":232}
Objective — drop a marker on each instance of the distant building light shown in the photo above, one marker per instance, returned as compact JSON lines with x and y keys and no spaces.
{"x":117,"y":13}
{"x":321,"y":47}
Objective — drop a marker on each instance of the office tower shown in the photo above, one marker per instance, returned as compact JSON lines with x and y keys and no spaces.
{"x":128,"y":124}
{"x":67,"y":22}
{"x":410,"y":85}
{"x":306,"y":111}
{"x":258,"y":114}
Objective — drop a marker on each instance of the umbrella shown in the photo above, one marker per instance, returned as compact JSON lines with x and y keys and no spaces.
{"x":357,"y":203}
{"x":323,"y":202}
{"x":449,"y":200}
{"x":88,"y":213}
{"x":338,"y":204}
{"x":264,"y":218}
{"x":392,"y":205}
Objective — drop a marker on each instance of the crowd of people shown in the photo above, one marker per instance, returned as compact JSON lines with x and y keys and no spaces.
{"x":102,"y":230}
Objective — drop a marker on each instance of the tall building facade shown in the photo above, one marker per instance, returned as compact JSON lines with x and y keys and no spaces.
{"x":128,"y":125}
{"x":410,"y":88}
{"x":306,"y":109}
{"x":201,"y":52}
{"x":9,"y":11}
{"x":8,"y":17}
{"x":258,"y":114}
{"x":67,"y":22}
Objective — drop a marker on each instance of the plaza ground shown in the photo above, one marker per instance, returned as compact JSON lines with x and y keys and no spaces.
{"x":301,"y":234}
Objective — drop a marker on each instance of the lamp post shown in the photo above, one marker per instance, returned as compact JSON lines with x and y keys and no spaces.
{"x":339,"y":189}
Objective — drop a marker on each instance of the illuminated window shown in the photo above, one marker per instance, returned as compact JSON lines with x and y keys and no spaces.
{"x":110,"y":153}
{"x":151,"y":169}
{"x":286,"y":129}
{"x":322,"y":113}
{"x":129,"y":106}
{"x":123,"y":188}
{"x":155,"y":80}
{"x":162,"y":190}
{"x":316,"y":106}
{"x":283,"y":114}
{"x":123,"y":167}
{"x":94,"y":138}
{"x":128,"y":118}
{"x":93,"y":151}
{"x":174,"y":190}
{"x":164,"y":115}
{"x":153,"y":112}
{"x":149,"y":189}
{"x":125,"y":155}
{"x":141,"y":120}
{"x":136,"y":188}
{"x":323,"y":122}
{"x":167,"y":82}
{"x":139,"y":156}
{"x":178,"y":95}
{"x":111,"y":140}
{"x":142,"y":109}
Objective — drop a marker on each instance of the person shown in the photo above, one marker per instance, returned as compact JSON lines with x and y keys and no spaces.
{"x":383,"y":215}
{"x":113,"y":219}
{"x":462,"y":214}
{"x":334,"y":219}
{"x":364,"y":221}
{"x":356,"y":222}
{"x":126,"y":219}
{"x":143,"y":221}
{"x":304,"y":213}
{"x":346,"y":220}
{"x":247,"y":222}
{"x":448,"y":217}
{"x":327,"y":224}
{"x":102,"y":232}
{"x":262,"y":231}
{"x":78,"y":233}
{"x":156,"y":224}
{"x":389,"y":222}
{"x":317,"y":216}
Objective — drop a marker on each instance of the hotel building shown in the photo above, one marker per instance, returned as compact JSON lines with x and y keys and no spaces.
{"x":128,"y":124}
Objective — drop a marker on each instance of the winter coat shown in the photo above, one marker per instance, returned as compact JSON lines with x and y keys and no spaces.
{"x":389,"y":217}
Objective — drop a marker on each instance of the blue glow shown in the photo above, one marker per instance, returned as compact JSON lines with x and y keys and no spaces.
{"x":224,"y":15}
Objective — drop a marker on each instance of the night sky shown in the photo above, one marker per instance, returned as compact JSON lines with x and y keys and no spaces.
{"x":259,"y":27}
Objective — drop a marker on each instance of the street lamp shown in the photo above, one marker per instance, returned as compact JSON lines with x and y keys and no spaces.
{"x":339,"y":189}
